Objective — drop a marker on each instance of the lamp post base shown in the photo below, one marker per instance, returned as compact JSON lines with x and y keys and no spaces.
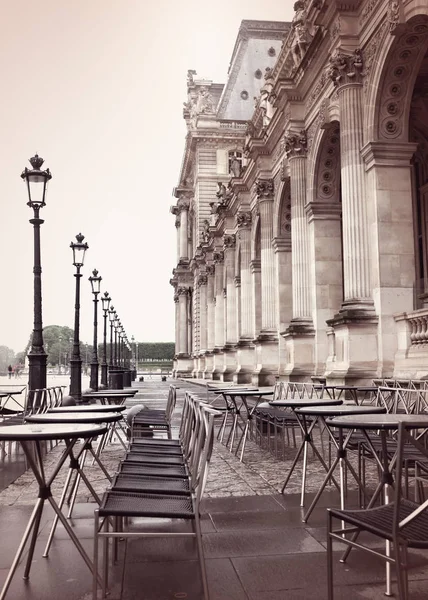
{"x":93,"y":384}
{"x":76,"y":379}
{"x":104,"y":375}
{"x":36,"y":374}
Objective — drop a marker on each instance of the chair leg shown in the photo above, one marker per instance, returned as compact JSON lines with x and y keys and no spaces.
{"x":201,"y":557}
{"x":401,"y":568}
{"x":95,"y":567}
{"x":329,"y":558}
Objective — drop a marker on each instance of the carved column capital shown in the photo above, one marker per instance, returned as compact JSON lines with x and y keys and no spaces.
{"x":183,"y":204}
{"x":210,"y":270}
{"x":183,"y":291}
{"x":218,"y":257}
{"x":229,"y":241}
{"x":244,"y":219}
{"x":346,"y":68}
{"x":202,"y":279}
{"x":264,"y":188}
{"x":296,"y":144}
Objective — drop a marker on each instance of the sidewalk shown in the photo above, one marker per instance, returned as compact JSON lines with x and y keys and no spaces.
{"x":256,"y":546}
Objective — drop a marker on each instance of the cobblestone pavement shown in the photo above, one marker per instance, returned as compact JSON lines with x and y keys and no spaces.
{"x":259,"y":474}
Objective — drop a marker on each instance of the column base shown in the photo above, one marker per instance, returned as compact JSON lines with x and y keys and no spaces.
{"x":245,"y":361}
{"x":184,"y":366}
{"x":209,"y":361}
{"x":267,"y":359}
{"x":299,"y":350}
{"x":200,"y":366}
{"x":218,"y":365}
{"x":229,"y":358}
{"x":354,"y":355}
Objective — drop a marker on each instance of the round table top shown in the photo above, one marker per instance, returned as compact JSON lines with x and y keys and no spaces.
{"x":342,"y":409}
{"x":120,"y":392}
{"x":302,"y":402}
{"x":117,"y":394}
{"x":84,"y":408}
{"x":387,"y":421}
{"x":248,"y":393}
{"x":4,"y":393}
{"x":57,"y":431}
{"x":89,"y":417}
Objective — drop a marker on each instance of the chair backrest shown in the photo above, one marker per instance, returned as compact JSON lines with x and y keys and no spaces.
{"x":170,"y":405}
{"x":408,"y":439}
{"x":299,"y":390}
{"x":204,"y":449}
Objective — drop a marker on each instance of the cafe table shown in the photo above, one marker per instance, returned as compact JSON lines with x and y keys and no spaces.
{"x":243,"y":413}
{"x":379,"y":425}
{"x":293,"y":404}
{"x":109,"y":396}
{"x":32,"y":436}
{"x":319,"y":414}
{"x":7,"y":397}
{"x":77,"y":462}
{"x":358,"y":394}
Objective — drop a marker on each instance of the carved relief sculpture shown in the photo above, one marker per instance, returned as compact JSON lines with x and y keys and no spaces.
{"x":218,"y":256}
{"x":205,"y":233}
{"x":202,"y":279}
{"x":301,"y":34}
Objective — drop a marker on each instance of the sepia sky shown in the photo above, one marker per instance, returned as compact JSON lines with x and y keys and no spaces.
{"x":96,"y":87}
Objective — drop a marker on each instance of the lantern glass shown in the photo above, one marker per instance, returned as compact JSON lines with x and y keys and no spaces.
{"x":111,"y":315}
{"x":105,"y":301}
{"x":37,"y":182}
{"x":79,"y":250}
{"x":95,"y":280}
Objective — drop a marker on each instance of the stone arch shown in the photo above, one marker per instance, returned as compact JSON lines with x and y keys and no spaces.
{"x":326,"y":176}
{"x":394,"y":79}
{"x":282,"y":211}
{"x":256,"y":238}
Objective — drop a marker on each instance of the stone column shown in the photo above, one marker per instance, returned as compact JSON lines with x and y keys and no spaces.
{"x":219,"y":299}
{"x":175,"y":211}
{"x":299,"y":336}
{"x":265,"y":195}
{"x":346,"y":73}
{"x":183,"y":296}
{"x":229,"y":245}
{"x":244,"y":233}
{"x":203,"y":324}
{"x":183,"y":207}
{"x":177,"y":330}
{"x":210,"y":322}
{"x":295,"y":147}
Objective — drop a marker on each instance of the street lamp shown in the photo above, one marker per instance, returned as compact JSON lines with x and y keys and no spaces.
{"x":95,"y":280}
{"x":116,"y":327}
{"x":105,"y":302}
{"x":111,"y":317}
{"x":79,"y":249}
{"x":37,"y":181}
{"x":59,"y":355}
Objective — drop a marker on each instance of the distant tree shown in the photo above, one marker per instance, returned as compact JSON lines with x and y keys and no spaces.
{"x":7,"y":357}
{"x":156,"y":350}
{"x":58,"y":339}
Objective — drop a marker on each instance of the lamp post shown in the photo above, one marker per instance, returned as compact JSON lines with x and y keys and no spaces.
{"x":105,"y":302}
{"x":95,"y":280}
{"x":59,"y":355}
{"x":111,"y":314}
{"x":79,"y":248}
{"x":37,"y":181}
{"x":116,"y":326}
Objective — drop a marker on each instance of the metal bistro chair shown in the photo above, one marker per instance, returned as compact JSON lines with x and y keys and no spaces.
{"x":123,"y":506}
{"x":402,"y":522}
{"x":148,"y":421}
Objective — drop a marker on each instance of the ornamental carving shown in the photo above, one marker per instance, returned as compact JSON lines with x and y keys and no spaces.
{"x":183,"y":204}
{"x":317,"y":90}
{"x":174,"y":210}
{"x":199,"y":254}
{"x":224,"y":292}
{"x":264,"y":188}
{"x":296,"y":144}
{"x":205,"y":233}
{"x":393,"y":14}
{"x":176,"y":297}
{"x":210,"y":269}
{"x":218,"y":257}
{"x":229,"y":241}
{"x":285,"y":216}
{"x":202,"y":279}
{"x":398,"y":83}
{"x":244,"y":219}
{"x":368,"y":9}
{"x":183,"y":291}
{"x":346,"y":68}
{"x":237,"y":280}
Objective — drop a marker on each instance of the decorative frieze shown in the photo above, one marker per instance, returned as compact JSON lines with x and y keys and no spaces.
{"x":296,"y":144}
{"x":371,"y":50}
{"x":346,"y":68}
{"x":229,"y":241}
{"x":264,"y":188}
{"x":244,"y":220}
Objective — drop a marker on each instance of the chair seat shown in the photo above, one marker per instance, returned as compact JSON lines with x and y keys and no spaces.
{"x":131,"y":504}
{"x":151,"y":484}
{"x":157,"y":442}
{"x":379,"y":521}
{"x":157,"y":470}
{"x":156,"y":450}
{"x":159,"y":459}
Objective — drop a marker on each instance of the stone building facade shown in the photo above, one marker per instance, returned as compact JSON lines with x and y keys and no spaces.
{"x":302,"y":203}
